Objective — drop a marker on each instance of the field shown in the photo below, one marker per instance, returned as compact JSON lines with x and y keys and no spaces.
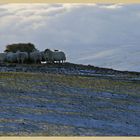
{"x":68,"y":105}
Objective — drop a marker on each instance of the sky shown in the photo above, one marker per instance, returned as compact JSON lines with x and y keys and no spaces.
{"x":104,"y":35}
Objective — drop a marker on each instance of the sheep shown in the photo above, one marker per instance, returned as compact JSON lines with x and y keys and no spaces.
{"x":2,"y":57}
{"x":35,"y":56}
{"x":43,"y":57}
{"x":21,"y":56}
{"x":11,"y":57}
{"x":48,"y":55}
{"x":54,"y":56}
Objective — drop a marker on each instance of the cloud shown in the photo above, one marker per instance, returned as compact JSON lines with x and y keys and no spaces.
{"x":105,"y":35}
{"x":112,"y":6}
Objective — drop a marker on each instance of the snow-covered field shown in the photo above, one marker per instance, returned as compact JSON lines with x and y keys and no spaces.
{"x":58,"y":104}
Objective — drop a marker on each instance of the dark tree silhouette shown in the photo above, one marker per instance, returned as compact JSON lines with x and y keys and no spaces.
{"x":23,"y":47}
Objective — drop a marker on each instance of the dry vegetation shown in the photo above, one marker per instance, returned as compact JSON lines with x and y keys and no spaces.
{"x":57,"y":104}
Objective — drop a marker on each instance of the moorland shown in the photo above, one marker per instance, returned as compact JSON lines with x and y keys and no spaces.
{"x":68,"y":100}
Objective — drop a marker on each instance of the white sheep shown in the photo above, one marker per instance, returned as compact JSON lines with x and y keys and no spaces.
{"x":43,"y":56}
{"x":11,"y":57}
{"x":55,"y":56}
{"x":21,"y":56}
{"x":36,"y":56}
{"x":2,"y":57}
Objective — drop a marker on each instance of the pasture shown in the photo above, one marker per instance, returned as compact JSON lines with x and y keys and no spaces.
{"x":68,"y":105}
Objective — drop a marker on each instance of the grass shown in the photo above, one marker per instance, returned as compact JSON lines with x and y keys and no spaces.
{"x":40,"y":94}
{"x":33,"y":82}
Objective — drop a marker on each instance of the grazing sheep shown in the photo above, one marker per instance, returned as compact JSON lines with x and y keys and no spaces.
{"x":21,"y":56}
{"x":36,"y":56}
{"x":2,"y":57}
{"x":11,"y":57}
{"x":55,"y":56}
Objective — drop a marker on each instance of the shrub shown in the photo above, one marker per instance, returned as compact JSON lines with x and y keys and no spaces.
{"x":23,"y":47}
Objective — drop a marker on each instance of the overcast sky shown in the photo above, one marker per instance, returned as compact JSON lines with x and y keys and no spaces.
{"x":106,"y":35}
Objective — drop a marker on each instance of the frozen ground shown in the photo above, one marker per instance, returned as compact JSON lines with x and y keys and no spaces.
{"x":56,"y":104}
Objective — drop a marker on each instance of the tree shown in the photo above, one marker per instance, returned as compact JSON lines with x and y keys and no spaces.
{"x":23,"y":47}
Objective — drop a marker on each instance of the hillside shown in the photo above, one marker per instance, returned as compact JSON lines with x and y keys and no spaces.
{"x":68,"y":68}
{"x":68,"y":99}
